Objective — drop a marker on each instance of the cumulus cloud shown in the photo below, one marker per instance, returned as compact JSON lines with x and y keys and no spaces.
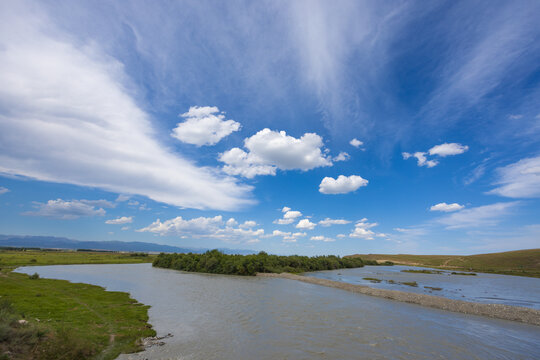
{"x":305,"y":224}
{"x":342,"y":156}
{"x":342,"y":185}
{"x":328,"y":222}
{"x":421,"y":158}
{"x":248,"y":224}
{"x":204,"y":227}
{"x":442,"y":150}
{"x":288,"y":236}
{"x":68,"y":210}
{"x":356,"y":143}
{"x":481,"y":216}
{"x":204,"y":125}
{"x":269,"y":150}
{"x":120,"y":220}
{"x":289,"y":216}
{"x":3,"y":190}
{"x":322,"y":238}
{"x":72,"y":118}
{"x":520,"y":179}
{"x":362,"y":230}
{"x":448,"y":149}
{"x":446,"y":207}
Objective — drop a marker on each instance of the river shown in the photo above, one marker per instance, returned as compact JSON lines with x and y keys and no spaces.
{"x":232,"y":317}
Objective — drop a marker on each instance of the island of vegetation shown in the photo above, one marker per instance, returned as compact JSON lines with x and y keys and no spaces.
{"x":55,"y":319}
{"x":216,"y":262}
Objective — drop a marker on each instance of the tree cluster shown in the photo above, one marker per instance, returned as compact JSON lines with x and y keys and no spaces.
{"x":216,"y":262}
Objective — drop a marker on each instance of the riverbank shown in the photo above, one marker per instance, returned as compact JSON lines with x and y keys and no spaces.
{"x":505,"y":312}
{"x":66,"y":320}
{"x":519,"y":263}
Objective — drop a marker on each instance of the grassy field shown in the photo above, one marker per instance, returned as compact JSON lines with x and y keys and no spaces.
{"x":65,"y":320}
{"x":521,"y":262}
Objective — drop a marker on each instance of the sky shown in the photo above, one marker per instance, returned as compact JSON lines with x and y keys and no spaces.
{"x":293,"y":127}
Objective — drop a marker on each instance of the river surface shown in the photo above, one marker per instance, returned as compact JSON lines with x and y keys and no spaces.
{"x":483,"y":288}
{"x":232,"y":317}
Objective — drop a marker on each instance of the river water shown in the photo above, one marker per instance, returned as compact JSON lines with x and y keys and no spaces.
{"x":231,"y":317}
{"x":484,"y":288}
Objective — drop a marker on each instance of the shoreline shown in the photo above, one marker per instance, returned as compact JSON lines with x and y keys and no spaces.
{"x":498,"y":311}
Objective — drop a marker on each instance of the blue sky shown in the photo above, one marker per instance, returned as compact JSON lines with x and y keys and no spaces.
{"x":291,"y":127}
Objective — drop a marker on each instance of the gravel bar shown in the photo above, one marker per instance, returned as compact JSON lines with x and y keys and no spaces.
{"x":505,"y":312}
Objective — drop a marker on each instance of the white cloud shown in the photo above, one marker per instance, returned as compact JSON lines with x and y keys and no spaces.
{"x":72,"y":118}
{"x":442,"y":150}
{"x":204,"y":227}
{"x":322,"y":238}
{"x":446,"y":207}
{"x":515,"y":116}
{"x":342,"y":185}
{"x":356,"y":143}
{"x":124,"y":228}
{"x":289,"y":216}
{"x":520,"y":179}
{"x":68,"y":210}
{"x":481,"y":216}
{"x":248,"y":224}
{"x":123,"y":198}
{"x":362,"y":230}
{"x":120,"y":220}
{"x":204,"y":126}
{"x":3,"y":190}
{"x":342,"y":156}
{"x":329,"y":222}
{"x":305,"y":224}
{"x":288,"y":236}
{"x":341,"y":235}
{"x":421,"y":158}
{"x":448,"y":149}
{"x":270,"y":150}
{"x":231,"y":222}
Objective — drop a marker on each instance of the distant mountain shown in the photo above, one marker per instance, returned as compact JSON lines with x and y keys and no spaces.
{"x":52,"y":242}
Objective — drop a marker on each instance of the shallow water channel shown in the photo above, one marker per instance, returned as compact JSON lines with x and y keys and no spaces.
{"x":483,"y":288}
{"x":232,"y":317}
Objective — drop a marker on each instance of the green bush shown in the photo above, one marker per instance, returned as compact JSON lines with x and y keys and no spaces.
{"x":216,"y":262}
{"x":34,"y":276}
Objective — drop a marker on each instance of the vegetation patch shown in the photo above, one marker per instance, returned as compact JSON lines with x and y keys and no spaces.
{"x":433,"y":288}
{"x":216,"y":262}
{"x":424,"y":271}
{"x":463,"y":273}
{"x":62,"y":320}
{"x":373,"y":280}
{"x":410,"y":283}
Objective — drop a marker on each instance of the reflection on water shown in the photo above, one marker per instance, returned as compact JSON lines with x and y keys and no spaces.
{"x":228,"y":317}
{"x":485,"y":288}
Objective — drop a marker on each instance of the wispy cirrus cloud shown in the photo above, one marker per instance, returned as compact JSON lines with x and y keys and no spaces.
{"x":519,"y":180}
{"x":480,"y":216}
{"x":73,"y":118}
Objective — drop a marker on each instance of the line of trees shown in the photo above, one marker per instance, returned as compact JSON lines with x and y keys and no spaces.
{"x":216,"y":262}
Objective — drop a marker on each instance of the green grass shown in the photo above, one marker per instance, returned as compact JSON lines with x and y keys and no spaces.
{"x":373,"y":280}
{"x":521,"y":262}
{"x":80,"y":321}
{"x":15,"y":258}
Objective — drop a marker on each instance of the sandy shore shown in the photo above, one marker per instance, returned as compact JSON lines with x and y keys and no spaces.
{"x":505,"y":312}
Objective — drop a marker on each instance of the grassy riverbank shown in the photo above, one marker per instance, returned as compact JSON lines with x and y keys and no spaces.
{"x":521,"y":262}
{"x":64,"y":320}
